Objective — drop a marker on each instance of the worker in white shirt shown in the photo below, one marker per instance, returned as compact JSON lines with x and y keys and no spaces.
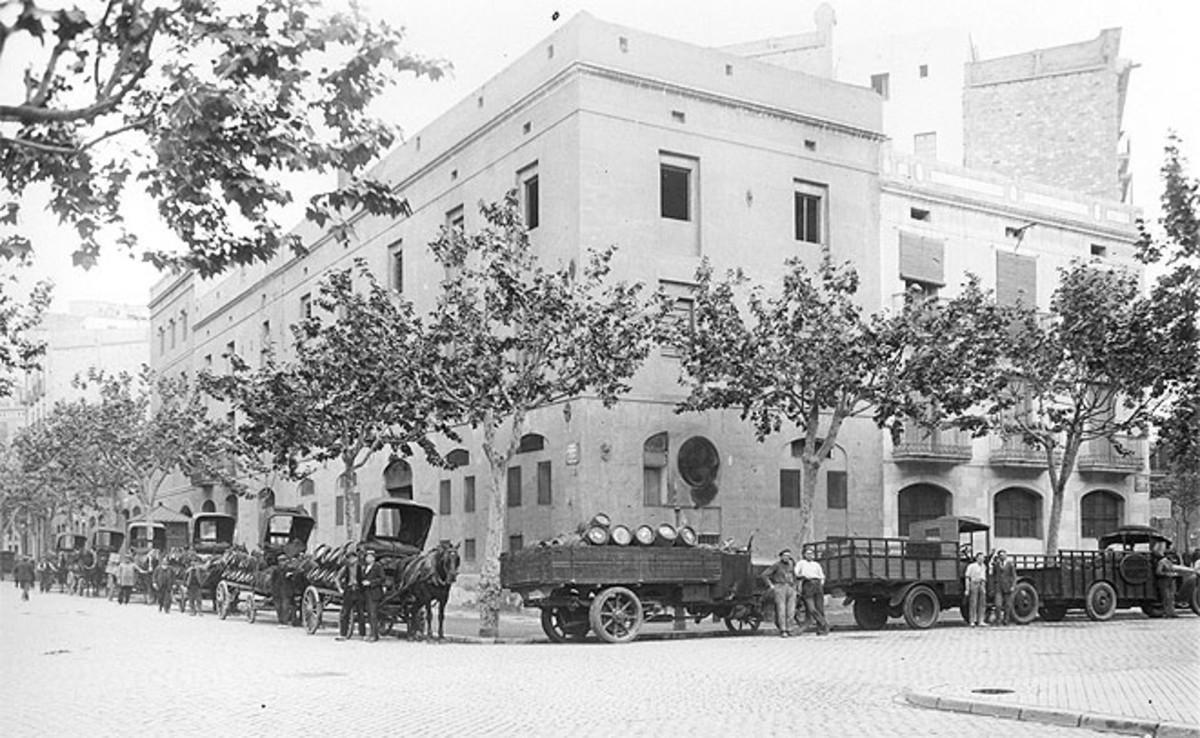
{"x":812,"y":590}
{"x":976,"y":581}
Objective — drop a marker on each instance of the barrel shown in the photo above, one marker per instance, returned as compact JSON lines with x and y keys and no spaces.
{"x":687,"y":536}
{"x":665,"y":535}
{"x":596,"y":535}
{"x":621,"y":535}
{"x":644,"y":535}
{"x":600,"y":520}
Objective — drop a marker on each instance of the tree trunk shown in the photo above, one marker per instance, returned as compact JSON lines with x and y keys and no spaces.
{"x":350,"y":501}
{"x":808,"y":493}
{"x":1058,"y":486}
{"x":489,"y":570}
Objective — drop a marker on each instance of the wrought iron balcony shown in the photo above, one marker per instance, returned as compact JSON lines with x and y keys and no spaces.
{"x":1125,"y":456}
{"x":937,"y":447}
{"x":1015,"y":453}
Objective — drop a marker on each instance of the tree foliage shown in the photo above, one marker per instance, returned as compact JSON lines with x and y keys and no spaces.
{"x":518,"y":336}
{"x":810,"y":357}
{"x":19,"y":315}
{"x":360,"y":383}
{"x":202,"y":105}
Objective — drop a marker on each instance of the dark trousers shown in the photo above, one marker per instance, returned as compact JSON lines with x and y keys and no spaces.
{"x":352,"y":612}
{"x":813,"y":592}
{"x":193,"y":598}
{"x":1166,"y":594}
{"x":1003,"y":603}
{"x":164,"y":599}
{"x":373,"y":598}
{"x":25,"y":589}
{"x":123,"y":594}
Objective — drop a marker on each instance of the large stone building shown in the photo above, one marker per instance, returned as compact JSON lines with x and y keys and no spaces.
{"x":672,"y":153}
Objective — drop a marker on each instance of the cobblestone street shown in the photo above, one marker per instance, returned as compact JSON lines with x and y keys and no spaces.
{"x":74,"y":666}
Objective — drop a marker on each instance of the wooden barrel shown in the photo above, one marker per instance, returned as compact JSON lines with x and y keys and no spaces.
{"x":687,"y":536}
{"x":621,"y":535}
{"x":596,"y":535}
{"x":600,"y":520}
{"x":665,"y":535}
{"x":644,"y":535}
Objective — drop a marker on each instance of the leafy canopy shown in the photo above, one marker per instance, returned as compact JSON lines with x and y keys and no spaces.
{"x":202,"y":104}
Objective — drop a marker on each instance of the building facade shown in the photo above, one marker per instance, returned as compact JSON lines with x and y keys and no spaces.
{"x":672,"y":153}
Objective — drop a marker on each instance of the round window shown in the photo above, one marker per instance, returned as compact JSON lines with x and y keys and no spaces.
{"x":698,"y":465}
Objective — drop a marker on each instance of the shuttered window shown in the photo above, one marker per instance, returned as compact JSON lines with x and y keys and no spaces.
{"x":1016,"y":279}
{"x":922,"y":259}
{"x":543,"y":483}
{"x":514,"y":486}
{"x":789,"y":488}
{"x":835,"y":492}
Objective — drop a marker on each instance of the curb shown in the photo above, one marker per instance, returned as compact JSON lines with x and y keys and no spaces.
{"x":1053,"y":716}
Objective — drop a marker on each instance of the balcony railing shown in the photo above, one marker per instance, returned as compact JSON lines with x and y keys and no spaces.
{"x":1103,"y":455}
{"x":938,"y":446}
{"x":1014,"y":452}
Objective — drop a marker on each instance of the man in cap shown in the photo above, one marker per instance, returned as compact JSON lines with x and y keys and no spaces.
{"x":781,"y":578}
{"x":372,"y":581}
{"x":349,"y":583}
{"x":1004,"y":578}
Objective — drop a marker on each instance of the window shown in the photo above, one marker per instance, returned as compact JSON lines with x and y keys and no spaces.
{"x":530,"y":207}
{"x":654,"y":469}
{"x":922,"y":259}
{"x":339,"y":510}
{"x":808,"y":203}
{"x":469,"y":494}
{"x":171,"y":329}
{"x":1016,"y":279}
{"x":455,"y":218}
{"x":230,"y":352}
{"x":396,"y":251}
{"x":162,"y":340}
{"x":183,"y":325}
{"x":265,"y":340}
{"x":305,"y":306}
{"x":458,"y":457}
{"x":923,"y":71}
{"x":444,"y":497}
{"x":835,"y":490}
{"x":789,"y":487}
{"x":1101,"y":513}
{"x":919,"y":214}
{"x":543,"y":483}
{"x":531,"y":442}
{"x":1097,"y":250}
{"x":675,"y":192}
{"x":925,"y":145}
{"x":514,"y":486}
{"x":469,"y":549}
{"x":307,"y":488}
{"x":678,"y":116}
{"x":880,"y":83}
{"x":681,"y":319}
{"x":516,"y":543}
{"x":1017,"y":513}
{"x":921,"y":502}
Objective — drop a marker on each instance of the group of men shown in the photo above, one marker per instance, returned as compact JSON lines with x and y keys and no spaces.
{"x":361,"y":587}
{"x":788,"y":579}
{"x":1004,"y":578}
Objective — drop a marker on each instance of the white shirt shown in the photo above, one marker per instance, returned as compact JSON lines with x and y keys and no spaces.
{"x":976,"y":572}
{"x":806,"y":569}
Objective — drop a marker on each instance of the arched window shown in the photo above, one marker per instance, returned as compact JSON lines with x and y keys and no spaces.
{"x":1017,"y":513}
{"x":531,"y":442}
{"x":266,"y":496}
{"x":458,"y":457}
{"x":136,"y":512}
{"x":922,"y":502}
{"x":397,"y":479}
{"x":185,"y":510}
{"x":654,"y":470}
{"x":208,"y":506}
{"x":306,"y":488}
{"x":231,"y":505}
{"x":1101,"y":512}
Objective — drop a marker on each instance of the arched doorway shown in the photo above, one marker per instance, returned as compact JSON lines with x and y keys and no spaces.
{"x":922,"y":501}
{"x":266,"y":497}
{"x":1100,"y":512}
{"x":397,"y":479}
{"x":1017,"y":513}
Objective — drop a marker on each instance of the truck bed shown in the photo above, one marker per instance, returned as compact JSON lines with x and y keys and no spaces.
{"x":596,"y":565}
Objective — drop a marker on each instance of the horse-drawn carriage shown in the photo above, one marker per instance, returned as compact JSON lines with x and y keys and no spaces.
{"x":269,"y":578}
{"x":68,"y":550}
{"x":394,"y":530}
{"x":90,"y":574}
{"x":612,"y":591}
{"x":212,"y":535}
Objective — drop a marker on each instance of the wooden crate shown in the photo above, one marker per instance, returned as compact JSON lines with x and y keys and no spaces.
{"x":591,"y":565}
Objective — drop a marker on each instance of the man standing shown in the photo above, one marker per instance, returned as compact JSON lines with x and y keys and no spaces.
{"x":1164,"y":577}
{"x":164,"y":585}
{"x":976,"y":581}
{"x":1004,"y":577}
{"x":127,"y":573}
{"x":781,"y":578}
{"x":372,"y":582}
{"x":192,"y":583}
{"x":349,"y":582}
{"x":812,"y":590}
{"x":23,"y":573}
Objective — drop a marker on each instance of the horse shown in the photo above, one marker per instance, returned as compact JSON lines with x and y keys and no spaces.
{"x":427,"y":578}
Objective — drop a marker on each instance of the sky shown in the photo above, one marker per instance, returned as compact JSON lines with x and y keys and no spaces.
{"x":481,"y":37}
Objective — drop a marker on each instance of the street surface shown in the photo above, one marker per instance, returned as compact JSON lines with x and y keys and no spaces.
{"x":77,"y":666}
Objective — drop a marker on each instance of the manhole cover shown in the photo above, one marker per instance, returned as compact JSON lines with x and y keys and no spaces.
{"x":992,"y":690}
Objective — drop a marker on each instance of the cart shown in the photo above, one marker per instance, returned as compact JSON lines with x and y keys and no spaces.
{"x":69,"y":549}
{"x":267,"y":578}
{"x":613,"y":591}
{"x":212,"y":535}
{"x":393,"y":529}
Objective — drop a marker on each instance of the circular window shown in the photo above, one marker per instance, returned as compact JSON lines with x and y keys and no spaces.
{"x":698,"y":464}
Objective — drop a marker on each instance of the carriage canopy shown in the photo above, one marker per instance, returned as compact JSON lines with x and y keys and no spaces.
{"x":1133,"y":537}
{"x":212,"y":532}
{"x":395,"y":525}
{"x":145,"y":535}
{"x":285,"y":524}
{"x":70,"y":542}
{"x":107,"y":539}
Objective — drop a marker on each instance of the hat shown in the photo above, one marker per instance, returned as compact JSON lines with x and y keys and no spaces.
{"x":785,"y":552}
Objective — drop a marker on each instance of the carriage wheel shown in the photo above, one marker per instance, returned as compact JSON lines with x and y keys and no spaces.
{"x":616,"y":615}
{"x":251,"y":607}
{"x":921,"y":607}
{"x":312,"y":609}
{"x":744,"y":624}
{"x":223,"y":598}
{"x":1101,"y":601}
{"x":562,"y":624}
{"x":870,"y":614}
{"x":1025,"y":602}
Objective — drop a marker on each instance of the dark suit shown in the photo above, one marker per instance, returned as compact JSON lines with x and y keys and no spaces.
{"x":372,"y":577}
{"x":350,"y":583}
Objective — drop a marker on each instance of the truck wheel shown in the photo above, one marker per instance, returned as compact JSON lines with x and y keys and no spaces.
{"x":311,"y":610}
{"x":561,"y":624}
{"x":1024,"y":603}
{"x":616,"y":615}
{"x":870,"y":614}
{"x":1101,"y":601}
{"x":1052,"y":613}
{"x":921,"y":607}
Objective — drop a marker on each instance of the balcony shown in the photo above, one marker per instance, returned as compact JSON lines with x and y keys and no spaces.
{"x":921,"y":445}
{"x":1120,"y":456}
{"x":1016,"y":454}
